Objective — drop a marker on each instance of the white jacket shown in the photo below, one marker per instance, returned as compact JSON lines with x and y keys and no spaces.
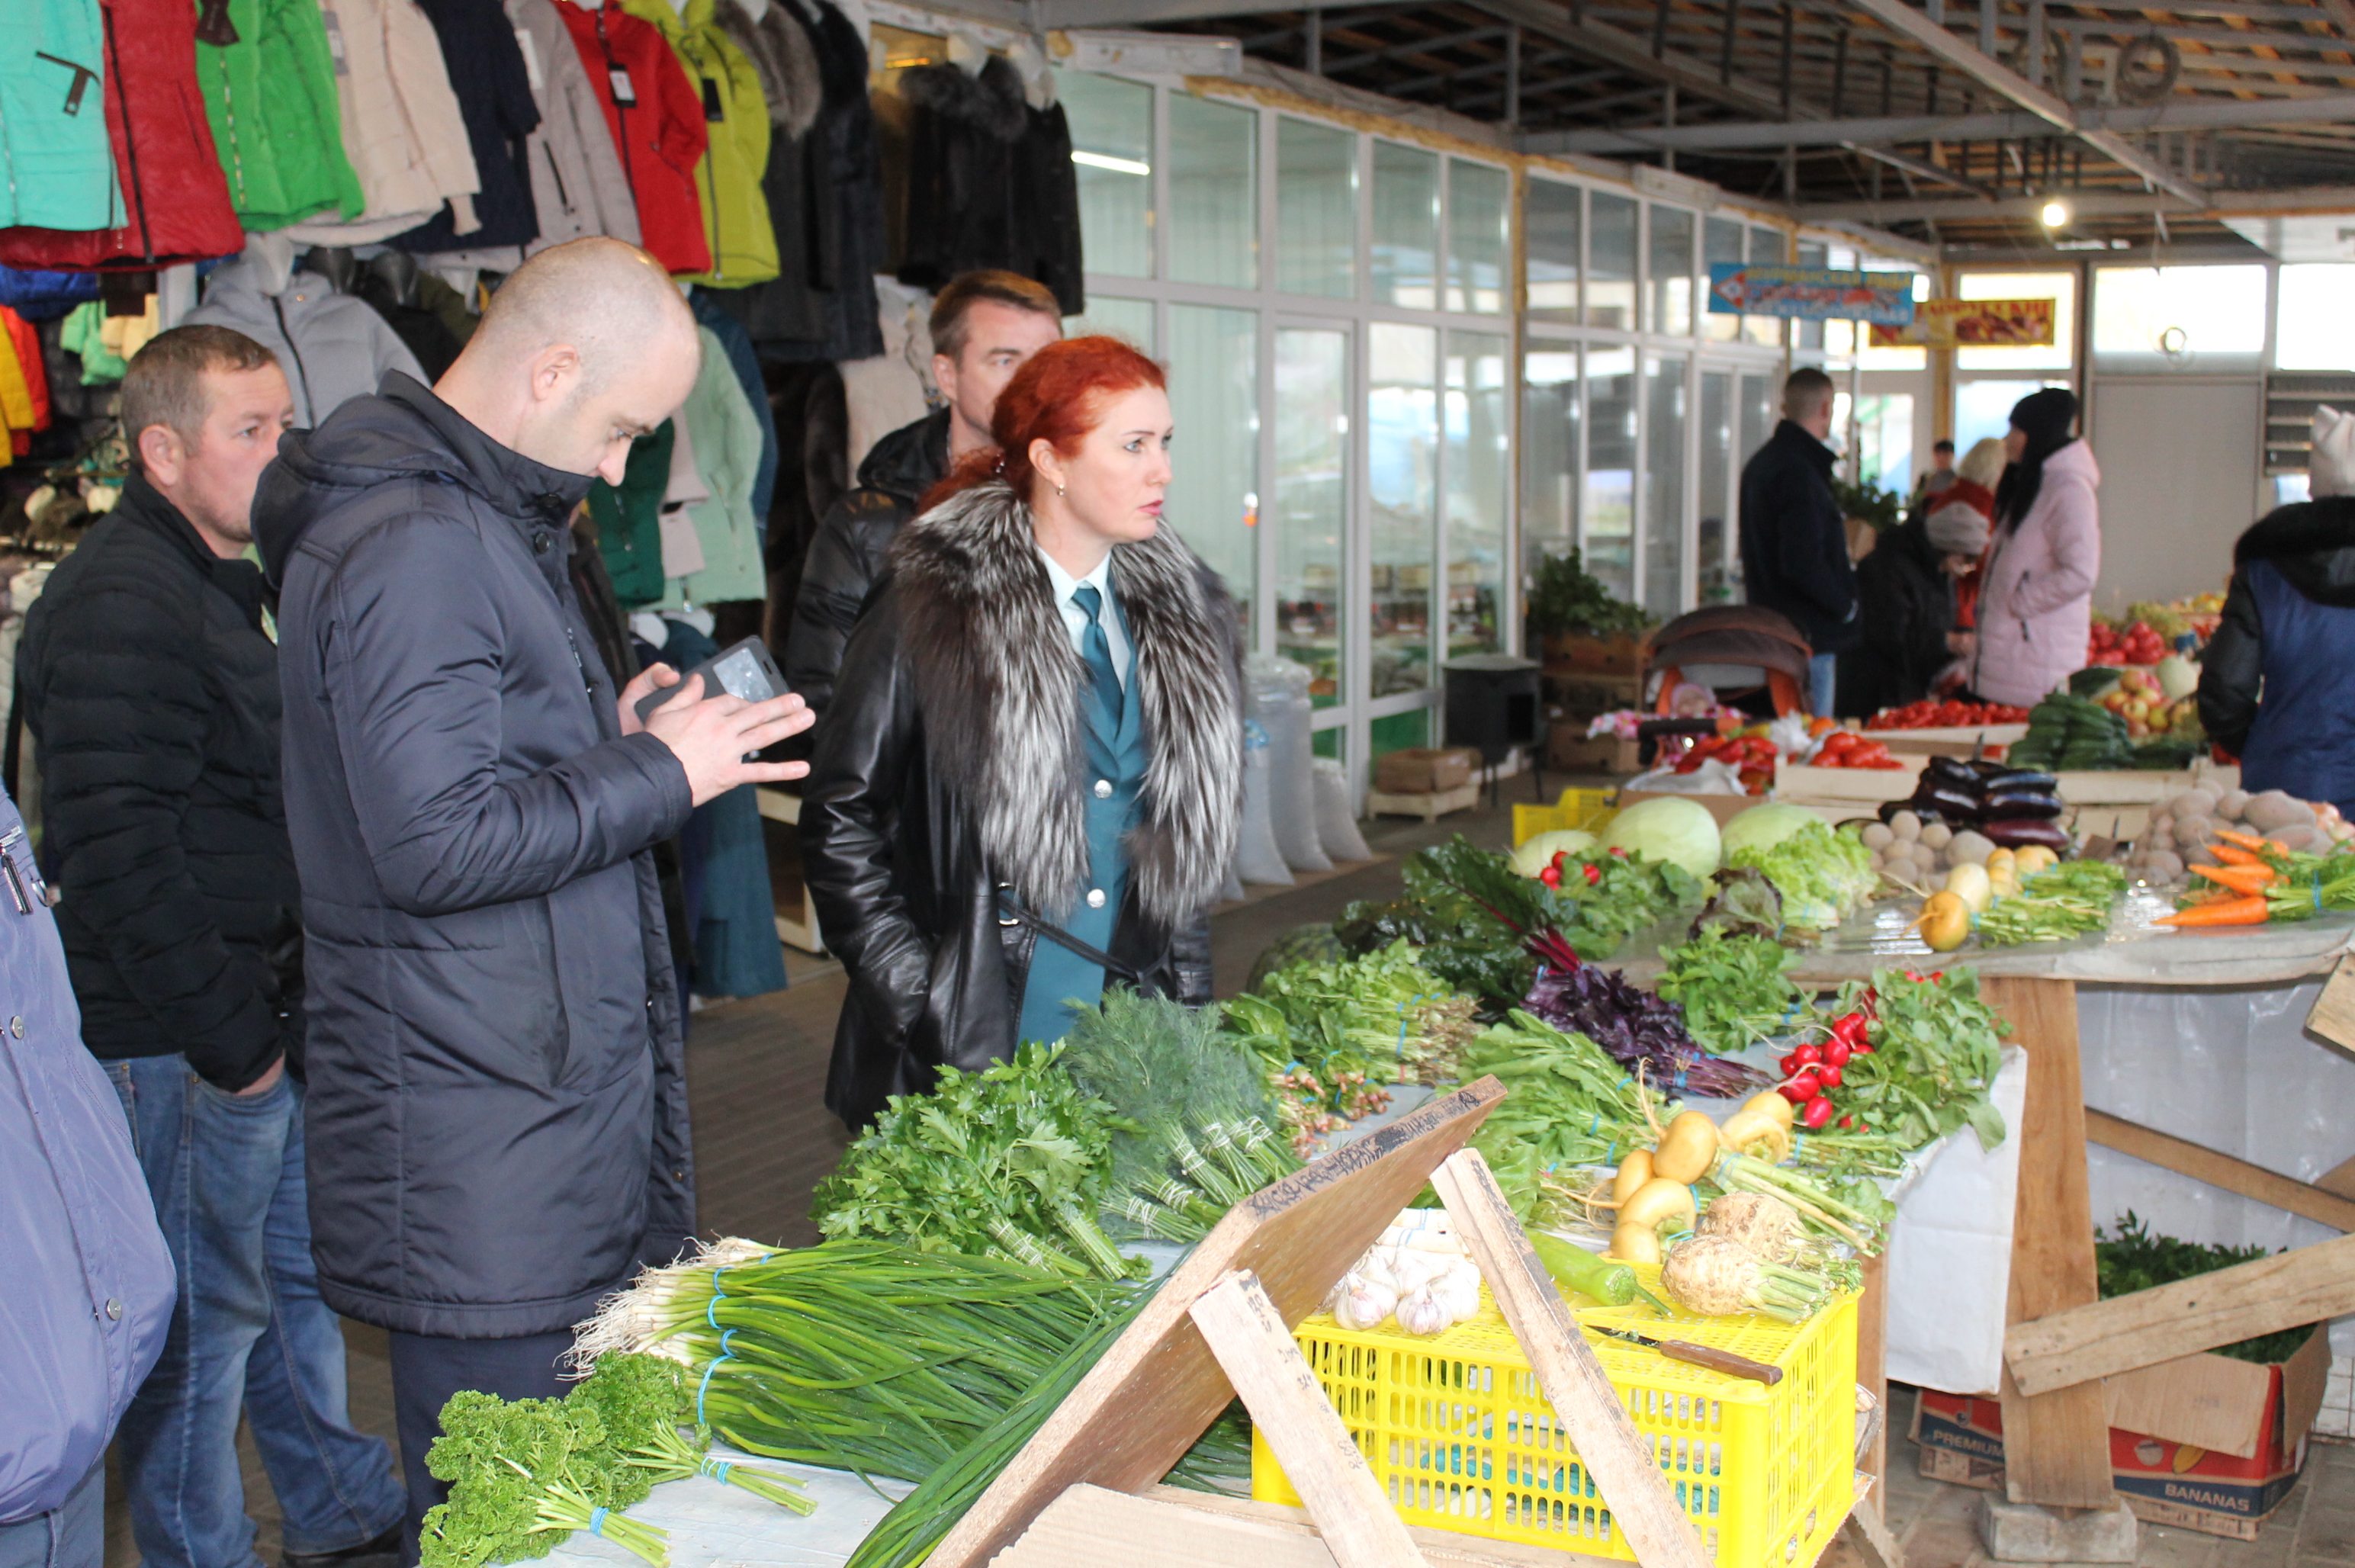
{"x":403,"y":130}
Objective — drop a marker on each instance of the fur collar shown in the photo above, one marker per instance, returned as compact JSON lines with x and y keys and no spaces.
{"x":997,"y":683}
{"x":991,"y":103}
{"x":2310,"y":543}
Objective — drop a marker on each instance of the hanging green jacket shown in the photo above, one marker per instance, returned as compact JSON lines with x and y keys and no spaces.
{"x":629,"y":519}
{"x":728,"y":179}
{"x":727,"y":438}
{"x":271,"y":98}
{"x":57,"y":167}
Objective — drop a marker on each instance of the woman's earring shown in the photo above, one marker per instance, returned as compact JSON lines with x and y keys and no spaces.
{"x":1058,"y":489}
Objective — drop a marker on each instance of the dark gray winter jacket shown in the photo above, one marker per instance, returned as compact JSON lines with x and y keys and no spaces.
{"x":496,"y":1115}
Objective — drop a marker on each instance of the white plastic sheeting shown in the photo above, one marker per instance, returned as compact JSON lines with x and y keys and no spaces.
{"x":1950,"y":1253}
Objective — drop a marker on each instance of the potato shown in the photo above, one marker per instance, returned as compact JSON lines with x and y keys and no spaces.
{"x":2193,"y":802}
{"x":2231,"y":803}
{"x":1969,"y":849}
{"x":2298,"y":838}
{"x":1906,"y":825}
{"x":2195,"y":830}
{"x":1877,"y":836}
{"x":2164,"y":866}
{"x":2158,"y":838}
{"x":2276,"y":808}
{"x":1875,"y":862}
{"x":1937,"y":835}
{"x":2199,"y":855}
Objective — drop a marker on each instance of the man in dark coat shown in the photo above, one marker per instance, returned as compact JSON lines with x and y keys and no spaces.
{"x":497,"y":1113}
{"x":984,"y":325}
{"x":1905,"y":606}
{"x":150,"y":690}
{"x":1794,"y":539}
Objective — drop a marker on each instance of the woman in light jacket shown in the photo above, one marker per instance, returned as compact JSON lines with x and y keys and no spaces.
{"x":2035,"y":611}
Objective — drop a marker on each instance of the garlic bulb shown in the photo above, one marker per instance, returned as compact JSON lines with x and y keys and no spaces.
{"x":1421,"y":1313}
{"x":1459,"y":1290}
{"x":1360,"y":1305}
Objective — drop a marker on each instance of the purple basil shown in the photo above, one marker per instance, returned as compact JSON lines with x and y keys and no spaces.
{"x":1633,"y":1025}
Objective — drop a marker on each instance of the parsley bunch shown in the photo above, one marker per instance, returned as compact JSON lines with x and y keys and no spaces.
{"x":1009,"y":1162}
{"x":522,"y":1475}
{"x":1736,"y":989}
{"x":1936,"y":1047}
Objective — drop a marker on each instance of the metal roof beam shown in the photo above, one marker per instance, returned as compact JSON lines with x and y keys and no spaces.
{"x":2228,"y":113}
{"x":1994,"y":75}
{"x":1413,"y":46}
{"x":2322,"y":199}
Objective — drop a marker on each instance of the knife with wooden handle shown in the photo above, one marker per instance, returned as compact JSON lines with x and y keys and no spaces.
{"x":1708,"y":1356}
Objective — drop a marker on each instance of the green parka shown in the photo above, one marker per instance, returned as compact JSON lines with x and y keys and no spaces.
{"x":728,"y":179}
{"x":57,"y":167}
{"x":271,"y":98}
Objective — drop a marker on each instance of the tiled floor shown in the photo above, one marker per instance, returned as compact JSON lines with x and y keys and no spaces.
{"x":755,"y":1069}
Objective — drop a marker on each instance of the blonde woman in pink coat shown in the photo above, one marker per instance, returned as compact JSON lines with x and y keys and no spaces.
{"x":2036,"y":611}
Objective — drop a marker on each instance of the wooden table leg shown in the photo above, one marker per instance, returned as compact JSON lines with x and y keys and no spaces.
{"x":1872,"y":1372}
{"x":2056,"y":1445}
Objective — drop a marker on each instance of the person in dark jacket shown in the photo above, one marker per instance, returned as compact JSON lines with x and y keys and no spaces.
{"x":1905,"y":600}
{"x":2272,"y":681}
{"x":983,"y":327}
{"x":497,"y":1112}
{"x":1794,"y":541}
{"x":150,"y":690}
{"x":1030,"y":783}
{"x":90,"y":1280}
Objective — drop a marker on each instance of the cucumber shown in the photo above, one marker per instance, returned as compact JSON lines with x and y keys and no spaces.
{"x":1575,"y":1268}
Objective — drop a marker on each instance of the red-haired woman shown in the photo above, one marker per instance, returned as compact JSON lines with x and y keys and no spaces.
{"x":1030,"y":780}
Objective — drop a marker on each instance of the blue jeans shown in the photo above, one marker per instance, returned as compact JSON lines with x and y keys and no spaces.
{"x":1822,"y":671}
{"x":249,"y":1331}
{"x":71,"y":1535}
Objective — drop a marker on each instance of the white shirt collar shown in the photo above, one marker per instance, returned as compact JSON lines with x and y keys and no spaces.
{"x":1065,"y":583}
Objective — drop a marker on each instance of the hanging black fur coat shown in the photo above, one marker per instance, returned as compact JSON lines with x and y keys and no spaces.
{"x":990,"y":182}
{"x":951,"y":766}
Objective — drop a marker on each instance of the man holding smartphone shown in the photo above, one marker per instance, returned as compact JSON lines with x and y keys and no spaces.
{"x":497,"y":1109}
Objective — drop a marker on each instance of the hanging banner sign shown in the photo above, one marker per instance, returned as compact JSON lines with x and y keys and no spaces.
{"x":1810,"y":293}
{"x":1971,"y":324}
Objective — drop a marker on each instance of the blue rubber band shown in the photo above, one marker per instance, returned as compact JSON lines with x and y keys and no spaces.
{"x":704,"y":1387}
{"x":597,"y":1522}
{"x":718,"y":1296}
{"x":717,"y":1468}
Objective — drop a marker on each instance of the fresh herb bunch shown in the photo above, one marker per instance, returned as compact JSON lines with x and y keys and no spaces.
{"x":1744,"y":901}
{"x":1194,"y":1135}
{"x":1567,"y":599}
{"x":2067,"y":900}
{"x":2135,"y":1260}
{"x":1635,"y":1028}
{"x":524,"y":1474}
{"x":1936,"y":1047}
{"x":1570,"y":1105}
{"x":1736,"y":990}
{"x":1823,"y":875}
{"x":1009,"y":1162}
{"x":1484,"y":928}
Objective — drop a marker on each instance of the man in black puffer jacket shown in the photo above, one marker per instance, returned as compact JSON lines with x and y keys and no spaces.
{"x":150,"y":690}
{"x":498,"y":1115}
{"x":984,"y":325}
{"x":1794,"y":541}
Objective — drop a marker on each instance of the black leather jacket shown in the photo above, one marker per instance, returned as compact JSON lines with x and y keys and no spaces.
{"x":846,"y":558}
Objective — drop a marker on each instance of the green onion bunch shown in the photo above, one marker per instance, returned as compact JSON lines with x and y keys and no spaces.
{"x":1193,"y":1137}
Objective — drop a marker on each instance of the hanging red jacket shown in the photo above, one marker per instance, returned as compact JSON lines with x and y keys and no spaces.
{"x":175,"y":194}
{"x":656,"y":118}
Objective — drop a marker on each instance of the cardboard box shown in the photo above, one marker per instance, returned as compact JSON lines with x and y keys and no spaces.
{"x":1724,"y":807}
{"x":1568,"y":750}
{"x":1424,"y":771}
{"x":2239,"y":1437}
{"x":1622,"y":653}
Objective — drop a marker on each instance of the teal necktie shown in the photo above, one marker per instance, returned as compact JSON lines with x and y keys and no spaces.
{"x":1096,"y":649}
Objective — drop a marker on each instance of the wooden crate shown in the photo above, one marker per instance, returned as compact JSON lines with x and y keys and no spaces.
{"x":1569,"y":749}
{"x":1962,"y":740}
{"x":1430,"y":807}
{"x":1865,"y":787}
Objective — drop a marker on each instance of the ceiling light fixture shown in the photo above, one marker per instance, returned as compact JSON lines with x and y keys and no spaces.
{"x":2055,"y":214}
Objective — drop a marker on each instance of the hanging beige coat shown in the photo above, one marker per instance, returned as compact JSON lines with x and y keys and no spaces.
{"x":578,"y":186}
{"x":403,"y":130}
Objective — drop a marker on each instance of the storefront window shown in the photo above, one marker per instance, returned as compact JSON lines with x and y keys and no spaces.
{"x":1311,"y":514}
{"x":1668,"y":270}
{"x":1401,"y":456}
{"x":1316,"y":210}
{"x":1721,"y":241}
{"x":1765,"y":245}
{"x":1112,"y":151}
{"x":1129,"y":319}
{"x":2061,"y":288}
{"x":1611,"y":260}
{"x":1610,"y":520}
{"x":1213,"y":193}
{"x":1479,"y":484}
{"x":1808,"y":334}
{"x":1549,"y":215}
{"x":1214,"y":406}
{"x":1713,"y":538}
{"x":2150,"y":319}
{"x":1479,"y":202}
{"x":1983,"y":408}
{"x":2316,"y":329}
{"x":1664,"y":485}
{"x":1550,"y":426}
{"x":1884,"y":441}
{"x":1406,"y":226}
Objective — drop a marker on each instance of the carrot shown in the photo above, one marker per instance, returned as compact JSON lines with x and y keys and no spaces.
{"x":2246,"y":880}
{"x":2248,"y":841}
{"x":2234,"y":856}
{"x":2229,"y":912}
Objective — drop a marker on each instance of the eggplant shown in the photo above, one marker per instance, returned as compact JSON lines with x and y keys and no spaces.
{"x":2019,"y":832}
{"x":2030,"y":804}
{"x":1945,"y":800}
{"x":1951,"y":771}
{"x":2024,"y":779}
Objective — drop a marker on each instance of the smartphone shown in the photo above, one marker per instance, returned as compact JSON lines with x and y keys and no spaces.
{"x":745,"y":670}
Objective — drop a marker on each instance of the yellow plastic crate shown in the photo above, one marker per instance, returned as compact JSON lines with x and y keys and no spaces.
{"x":1587,"y":809}
{"x":1460,"y":1437}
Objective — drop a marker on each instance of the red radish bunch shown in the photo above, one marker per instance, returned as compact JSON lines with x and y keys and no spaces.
{"x":1811,"y":1072}
{"x":1552,"y":874}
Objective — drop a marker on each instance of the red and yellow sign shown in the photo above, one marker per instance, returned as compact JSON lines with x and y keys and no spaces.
{"x":1971,"y":324}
